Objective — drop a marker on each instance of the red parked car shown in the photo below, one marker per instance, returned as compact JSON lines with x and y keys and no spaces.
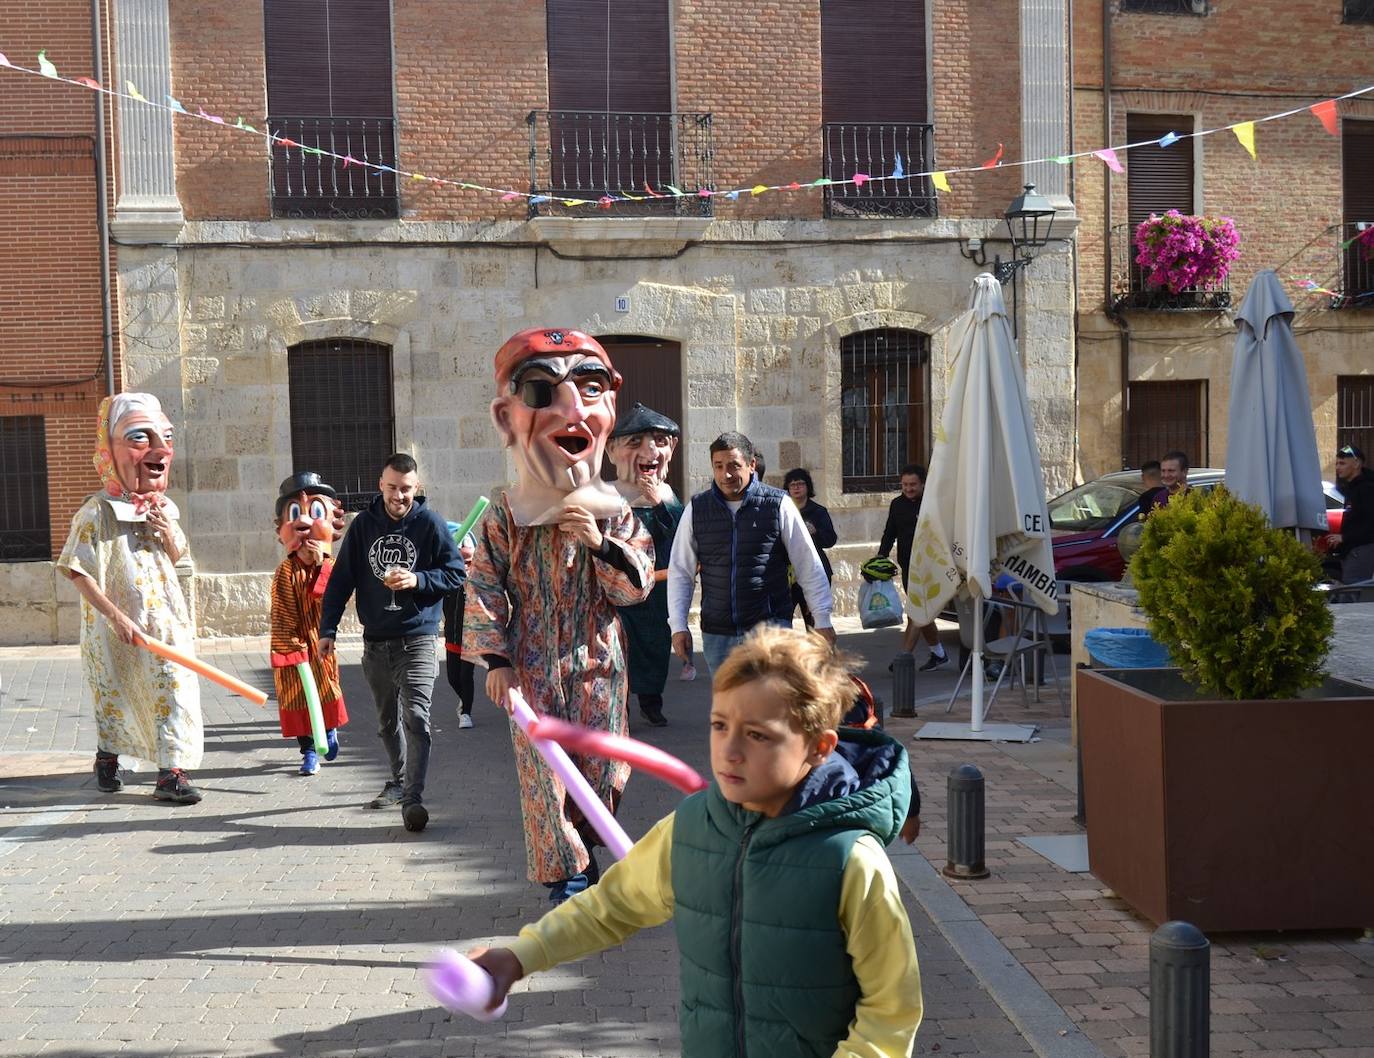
{"x":1086,"y":521}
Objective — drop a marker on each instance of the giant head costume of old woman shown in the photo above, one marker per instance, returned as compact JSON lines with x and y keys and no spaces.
{"x":555,"y":409}
{"x":134,"y":450}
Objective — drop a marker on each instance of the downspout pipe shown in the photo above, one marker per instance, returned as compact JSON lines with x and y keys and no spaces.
{"x":1113,"y":314}
{"x":102,"y":211}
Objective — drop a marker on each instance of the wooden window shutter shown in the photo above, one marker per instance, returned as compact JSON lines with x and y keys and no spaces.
{"x":873,"y":61}
{"x":609,"y":55}
{"x":1357,"y":166}
{"x":1158,"y":179}
{"x":329,"y":57}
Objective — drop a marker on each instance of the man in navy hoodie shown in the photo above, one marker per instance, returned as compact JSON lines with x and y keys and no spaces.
{"x":400,"y":559}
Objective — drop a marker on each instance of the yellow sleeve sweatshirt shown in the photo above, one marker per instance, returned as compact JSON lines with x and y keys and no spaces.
{"x":638,"y":892}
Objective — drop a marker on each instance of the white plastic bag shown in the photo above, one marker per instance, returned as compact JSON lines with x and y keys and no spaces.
{"x":880,"y":604}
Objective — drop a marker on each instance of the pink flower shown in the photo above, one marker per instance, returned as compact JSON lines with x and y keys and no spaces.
{"x":1181,"y":252}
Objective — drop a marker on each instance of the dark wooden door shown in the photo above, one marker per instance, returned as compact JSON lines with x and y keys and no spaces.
{"x":1163,"y":416}
{"x":652,"y":369}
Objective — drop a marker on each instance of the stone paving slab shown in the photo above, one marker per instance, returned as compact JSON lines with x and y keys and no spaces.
{"x":279,"y":917}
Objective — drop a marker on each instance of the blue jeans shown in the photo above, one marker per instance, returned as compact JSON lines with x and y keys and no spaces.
{"x":716,"y":648}
{"x":401,"y":673}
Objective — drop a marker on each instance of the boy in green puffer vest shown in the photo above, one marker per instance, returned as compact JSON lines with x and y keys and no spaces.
{"x":790,"y":925}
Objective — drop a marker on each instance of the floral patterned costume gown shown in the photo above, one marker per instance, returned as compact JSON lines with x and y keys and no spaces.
{"x":539,"y":598}
{"x":146,"y":709}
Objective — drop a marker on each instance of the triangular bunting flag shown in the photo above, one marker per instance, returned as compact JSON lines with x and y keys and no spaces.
{"x":758,"y":189}
{"x":994,"y":161}
{"x":1063,"y":159}
{"x":1109,"y":156}
{"x":899,"y":172}
{"x":510,"y":196}
{"x":1326,"y":114}
{"x":674,"y":190}
{"x":175,"y":105}
{"x":940,"y":180}
{"x":46,"y":68}
{"x":133,"y":91}
{"x":88,"y":82}
{"x":3,"y":61}
{"x":1168,"y":139}
{"x":1245,"y":132}
{"x":860,"y":179}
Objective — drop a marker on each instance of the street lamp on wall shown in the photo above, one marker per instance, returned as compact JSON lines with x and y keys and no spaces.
{"x":1029,"y":220}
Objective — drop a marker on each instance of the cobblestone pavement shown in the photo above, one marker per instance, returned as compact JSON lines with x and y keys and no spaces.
{"x":279,"y":917}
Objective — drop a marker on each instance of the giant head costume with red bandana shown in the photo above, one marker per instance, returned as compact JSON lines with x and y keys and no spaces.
{"x":555,"y":409}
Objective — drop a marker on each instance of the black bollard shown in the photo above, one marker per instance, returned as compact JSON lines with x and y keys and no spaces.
{"x":965,"y":812}
{"x":904,"y":685}
{"x":1180,"y":992}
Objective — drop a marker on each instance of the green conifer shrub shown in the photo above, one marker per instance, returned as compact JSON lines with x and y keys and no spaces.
{"x":1232,"y":598}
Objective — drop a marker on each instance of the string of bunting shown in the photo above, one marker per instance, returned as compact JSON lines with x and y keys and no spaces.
{"x":1244,"y":131}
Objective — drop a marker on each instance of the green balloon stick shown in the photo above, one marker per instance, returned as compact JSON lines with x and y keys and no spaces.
{"x":312,"y":705}
{"x":478,"y":509}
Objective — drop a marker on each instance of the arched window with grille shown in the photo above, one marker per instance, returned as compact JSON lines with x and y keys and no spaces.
{"x":884,"y":406}
{"x":343,"y":424}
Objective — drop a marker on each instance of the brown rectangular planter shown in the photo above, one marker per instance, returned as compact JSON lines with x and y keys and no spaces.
{"x":1252,"y":815}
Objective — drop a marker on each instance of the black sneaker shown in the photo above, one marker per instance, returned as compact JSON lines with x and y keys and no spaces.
{"x":107,"y":772}
{"x":933,"y":662}
{"x":415,"y":816}
{"x":174,"y":785}
{"x":391,"y":794}
{"x":653,"y":714}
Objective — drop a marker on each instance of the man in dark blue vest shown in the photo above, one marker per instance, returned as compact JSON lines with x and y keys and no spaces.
{"x":743,"y":534}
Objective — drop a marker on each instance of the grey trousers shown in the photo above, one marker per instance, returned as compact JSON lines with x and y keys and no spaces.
{"x":1358,"y":564}
{"x":401,"y":673}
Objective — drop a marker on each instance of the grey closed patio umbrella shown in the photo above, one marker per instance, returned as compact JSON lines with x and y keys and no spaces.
{"x":1271,"y":446}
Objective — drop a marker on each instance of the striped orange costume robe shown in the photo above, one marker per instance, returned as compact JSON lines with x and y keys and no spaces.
{"x":540,"y":599}
{"x":296,"y":638}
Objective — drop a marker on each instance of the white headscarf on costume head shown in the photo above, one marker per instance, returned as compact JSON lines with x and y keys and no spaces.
{"x":114,"y":410}
{"x":125,"y":403}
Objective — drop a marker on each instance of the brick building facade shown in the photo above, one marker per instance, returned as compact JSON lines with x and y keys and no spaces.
{"x":262,"y":311}
{"x":1167,"y":361}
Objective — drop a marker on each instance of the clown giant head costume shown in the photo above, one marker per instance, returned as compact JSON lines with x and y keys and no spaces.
{"x":642,"y":446}
{"x":308,"y":509}
{"x":133,"y":453}
{"x":555,"y":409}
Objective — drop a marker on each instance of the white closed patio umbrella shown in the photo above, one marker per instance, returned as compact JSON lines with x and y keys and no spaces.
{"x":1271,"y":445}
{"x":984,"y":510}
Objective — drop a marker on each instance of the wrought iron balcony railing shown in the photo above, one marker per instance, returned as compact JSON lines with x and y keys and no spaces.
{"x":306,"y":183}
{"x":1355,"y":252}
{"x":1130,"y":291}
{"x":1358,"y":11}
{"x":1166,"y":7}
{"x":878,"y":149}
{"x":588,"y":155}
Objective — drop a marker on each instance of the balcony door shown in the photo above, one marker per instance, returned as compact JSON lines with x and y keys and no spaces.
{"x":610,"y":123}
{"x":875,"y":106}
{"x":329,"y":89}
{"x":1357,"y":165}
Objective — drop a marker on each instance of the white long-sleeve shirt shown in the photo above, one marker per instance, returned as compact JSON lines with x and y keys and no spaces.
{"x":806,"y":566}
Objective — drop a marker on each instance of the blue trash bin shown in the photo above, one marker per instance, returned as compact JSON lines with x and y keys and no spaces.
{"x":1125,"y":648}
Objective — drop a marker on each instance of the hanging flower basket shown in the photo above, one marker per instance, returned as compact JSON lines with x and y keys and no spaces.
{"x":1181,"y":252}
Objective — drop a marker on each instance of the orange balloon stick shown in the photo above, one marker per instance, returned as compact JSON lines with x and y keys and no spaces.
{"x":200,"y":668}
